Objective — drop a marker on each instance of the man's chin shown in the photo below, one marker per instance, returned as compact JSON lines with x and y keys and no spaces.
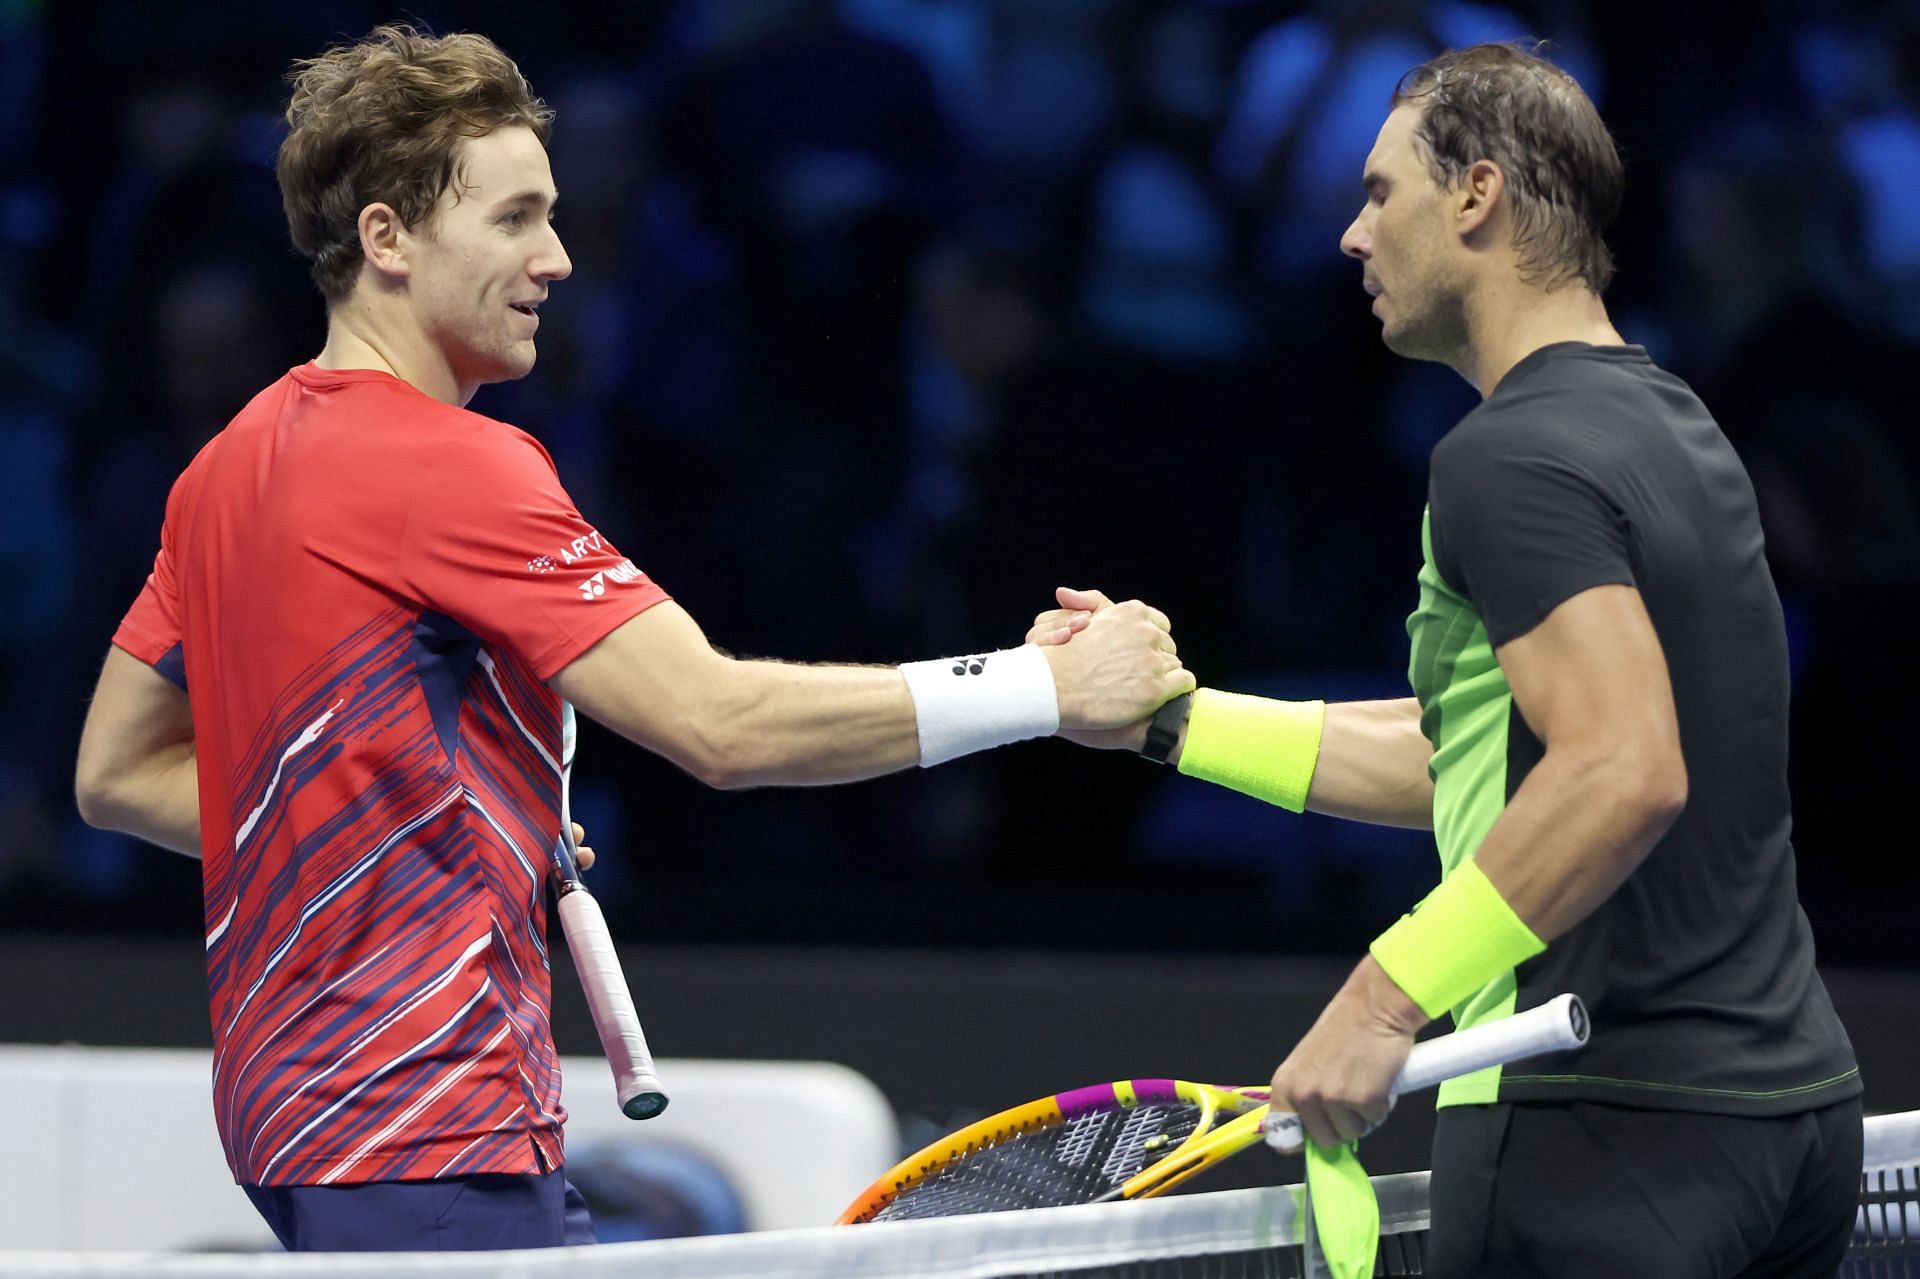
{"x":509,"y":368}
{"x":1411,"y":343}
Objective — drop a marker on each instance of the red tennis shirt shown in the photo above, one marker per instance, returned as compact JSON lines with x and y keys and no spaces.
{"x":363,"y":590}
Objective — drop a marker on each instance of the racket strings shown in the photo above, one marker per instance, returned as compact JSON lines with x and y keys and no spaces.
{"x":1147,"y":1135}
{"x":1072,"y":1162}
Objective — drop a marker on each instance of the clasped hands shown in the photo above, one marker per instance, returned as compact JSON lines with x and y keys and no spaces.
{"x":1113,"y":664}
{"x":1337,"y":1079}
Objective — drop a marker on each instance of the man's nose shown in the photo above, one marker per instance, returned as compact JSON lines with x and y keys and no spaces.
{"x":555,"y":264}
{"x":1355,"y":242}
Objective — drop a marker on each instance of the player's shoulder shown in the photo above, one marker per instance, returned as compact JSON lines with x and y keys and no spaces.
{"x":245,"y":434}
{"x":1560,"y":401}
{"x":410,"y":424}
{"x":463,"y":441}
{"x":1489,"y":435}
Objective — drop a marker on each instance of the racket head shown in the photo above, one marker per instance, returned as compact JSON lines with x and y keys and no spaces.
{"x":1073,"y":1147}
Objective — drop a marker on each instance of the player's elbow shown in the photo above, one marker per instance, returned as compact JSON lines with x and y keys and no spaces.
{"x":740,"y":761}
{"x":97,"y":794}
{"x":1651,"y":788}
{"x":719,"y":754}
{"x":720,"y":770}
{"x":1664,"y":797}
{"x":728,"y":740}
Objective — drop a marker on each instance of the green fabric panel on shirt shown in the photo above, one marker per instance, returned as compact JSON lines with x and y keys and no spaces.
{"x":1491,"y":1002}
{"x":1465,"y":705}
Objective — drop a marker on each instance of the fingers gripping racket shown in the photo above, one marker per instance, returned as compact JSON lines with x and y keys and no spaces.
{"x":640,"y":1092}
{"x":1555,"y":1026}
{"x":1138,"y":1138}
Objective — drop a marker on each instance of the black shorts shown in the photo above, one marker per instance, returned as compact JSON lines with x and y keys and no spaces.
{"x":480,"y":1211}
{"x":1581,"y":1189}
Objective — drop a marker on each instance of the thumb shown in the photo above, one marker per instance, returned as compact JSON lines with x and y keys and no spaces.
{"x":1072,"y":597}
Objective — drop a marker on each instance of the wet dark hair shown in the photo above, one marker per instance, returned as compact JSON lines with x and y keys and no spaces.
{"x":1564,"y":179}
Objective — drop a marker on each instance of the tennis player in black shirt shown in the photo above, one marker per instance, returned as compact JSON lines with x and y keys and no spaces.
{"x":1600,"y":662}
{"x":1597,"y":737}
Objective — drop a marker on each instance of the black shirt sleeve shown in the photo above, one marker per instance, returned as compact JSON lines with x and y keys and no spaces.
{"x":1521,"y":522}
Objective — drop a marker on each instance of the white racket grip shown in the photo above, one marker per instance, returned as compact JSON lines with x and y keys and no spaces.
{"x":638,"y":1088}
{"x":1555,"y":1026}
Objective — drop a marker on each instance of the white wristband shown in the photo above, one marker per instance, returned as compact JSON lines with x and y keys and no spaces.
{"x":967,"y":704}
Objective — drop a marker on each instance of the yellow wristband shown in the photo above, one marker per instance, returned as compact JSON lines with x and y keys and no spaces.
{"x":1255,"y":745}
{"x":1462,"y":936}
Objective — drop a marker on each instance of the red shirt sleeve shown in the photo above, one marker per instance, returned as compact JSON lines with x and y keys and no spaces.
{"x":151,"y":629}
{"x":495,"y":543}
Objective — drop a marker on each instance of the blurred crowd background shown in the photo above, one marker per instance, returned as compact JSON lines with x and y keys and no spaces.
{"x":888,"y":316}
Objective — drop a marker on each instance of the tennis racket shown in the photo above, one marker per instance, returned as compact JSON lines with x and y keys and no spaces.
{"x":635,"y":1085}
{"x":1138,"y":1138}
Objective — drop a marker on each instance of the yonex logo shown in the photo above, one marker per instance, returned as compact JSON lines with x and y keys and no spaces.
{"x":969,"y":665}
{"x":620,"y":574}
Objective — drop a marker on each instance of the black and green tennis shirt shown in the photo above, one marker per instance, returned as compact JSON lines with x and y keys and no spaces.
{"x":1589,"y":466}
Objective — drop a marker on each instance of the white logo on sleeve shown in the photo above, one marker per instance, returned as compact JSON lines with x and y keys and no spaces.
{"x":581,"y":547}
{"x":596,"y":586}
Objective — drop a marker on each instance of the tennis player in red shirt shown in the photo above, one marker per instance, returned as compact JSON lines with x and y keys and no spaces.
{"x":341,"y":685}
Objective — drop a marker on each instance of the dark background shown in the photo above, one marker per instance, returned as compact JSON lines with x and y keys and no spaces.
{"x":887,"y":317}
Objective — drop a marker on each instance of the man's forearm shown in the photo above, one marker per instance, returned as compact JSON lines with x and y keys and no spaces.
{"x":1371,"y":766}
{"x":158,"y":802}
{"x":1572,"y":834}
{"x":137,"y":767}
{"x":786,"y":725}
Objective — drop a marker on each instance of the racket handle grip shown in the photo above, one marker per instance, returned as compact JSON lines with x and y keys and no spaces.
{"x":638,"y":1089}
{"x":1555,"y":1026}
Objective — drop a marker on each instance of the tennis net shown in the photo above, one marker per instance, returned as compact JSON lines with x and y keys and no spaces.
{"x":1234,"y":1234}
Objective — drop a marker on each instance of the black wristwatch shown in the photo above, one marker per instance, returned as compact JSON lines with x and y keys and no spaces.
{"x":1164,"y":730}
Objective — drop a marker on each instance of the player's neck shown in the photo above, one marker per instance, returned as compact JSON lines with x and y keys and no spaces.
{"x":1513,"y":320}
{"x":357,"y":338}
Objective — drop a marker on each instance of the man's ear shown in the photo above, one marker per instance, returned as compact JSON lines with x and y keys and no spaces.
{"x":383,"y":240}
{"x":1480,"y":196}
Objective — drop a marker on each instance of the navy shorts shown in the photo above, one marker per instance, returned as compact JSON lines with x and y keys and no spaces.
{"x":459,"y":1214}
{"x":1532,"y":1190}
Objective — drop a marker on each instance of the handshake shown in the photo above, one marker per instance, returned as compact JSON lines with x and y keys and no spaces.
{"x":1113,"y":666}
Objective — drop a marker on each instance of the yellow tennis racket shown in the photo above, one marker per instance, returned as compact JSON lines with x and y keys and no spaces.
{"x":1137,"y":1138}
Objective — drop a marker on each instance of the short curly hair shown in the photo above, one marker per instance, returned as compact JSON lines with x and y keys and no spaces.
{"x":1505,"y":103}
{"x":381,"y":121}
